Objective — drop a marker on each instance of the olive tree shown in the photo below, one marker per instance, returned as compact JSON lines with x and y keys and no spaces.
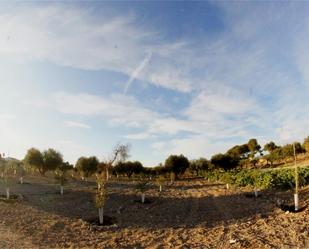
{"x":128,"y":168}
{"x":141,"y":188}
{"x":8,"y":176}
{"x":224,"y":161}
{"x":87,"y":166}
{"x":270,"y":147}
{"x":160,"y":181}
{"x":35,"y":159}
{"x":91,"y":165}
{"x":22,"y":173}
{"x":43,"y":161}
{"x":198,"y":166}
{"x":254,"y":147}
{"x":101,"y":196}
{"x":61,"y":174}
{"x":177,"y":164}
{"x":239,"y":151}
{"x":17,"y":168}
{"x":52,"y":159}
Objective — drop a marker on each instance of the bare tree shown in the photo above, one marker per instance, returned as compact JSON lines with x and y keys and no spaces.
{"x":120,"y":154}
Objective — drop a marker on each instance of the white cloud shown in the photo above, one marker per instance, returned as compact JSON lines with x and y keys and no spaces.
{"x":7,"y":116}
{"x":139,"y":136}
{"x":192,"y":147}
{"x":215,"y":104}
{"x":76,"y":124}
{"x":244,"y":81}
{"x":126,"y":111}
{"x":119,"y":110}
{"x":73,"y":149}
{"x":73,"y":37}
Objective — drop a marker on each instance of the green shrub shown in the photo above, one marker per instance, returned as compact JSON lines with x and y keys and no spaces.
{"x":284,"y":179}
{"x":265,"y":180}
{"x":214,"y":175}
{"x":244,"y":178}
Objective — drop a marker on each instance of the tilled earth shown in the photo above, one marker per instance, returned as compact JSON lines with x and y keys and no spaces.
{"x":186,"y":214}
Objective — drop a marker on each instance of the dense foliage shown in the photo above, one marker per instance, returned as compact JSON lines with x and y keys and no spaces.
{"x":177,"y":164}
{"x":282,"y":178}
{"x":43,"y":161}
{"x":87,"y":165}
{"x":128,"y":168}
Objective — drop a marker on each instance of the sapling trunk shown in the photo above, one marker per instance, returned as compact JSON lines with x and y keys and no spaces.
{"x":107,"y":174}
{"x":143,"y":198}
{"x":256,"y":193}
{"x":7,"y":193}
{"x":160,"y":188}
{"x":101,"y":215}
{"x":21,"y":180}
{"x":227,"y":186}
{"x":61,"y":189}
{"x":296,"y":202}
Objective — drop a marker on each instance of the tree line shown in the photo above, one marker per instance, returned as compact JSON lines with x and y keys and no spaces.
{"x":246,"y":155}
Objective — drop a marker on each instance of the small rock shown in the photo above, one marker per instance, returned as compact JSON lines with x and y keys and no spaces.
{"x":287,"y":212}
{"x":233,"y":241}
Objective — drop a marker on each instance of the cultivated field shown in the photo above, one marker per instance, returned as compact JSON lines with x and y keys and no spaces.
{"x":187,"y":214}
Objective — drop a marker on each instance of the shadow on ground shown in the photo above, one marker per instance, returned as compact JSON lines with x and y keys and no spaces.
{"x":168,"y":209}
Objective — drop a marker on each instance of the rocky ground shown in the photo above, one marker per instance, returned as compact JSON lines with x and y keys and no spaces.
{"x":187,"y":214}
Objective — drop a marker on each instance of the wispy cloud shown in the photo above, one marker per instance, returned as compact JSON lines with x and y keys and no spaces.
{"x":116,"y":44}
{"x":248,"y":79}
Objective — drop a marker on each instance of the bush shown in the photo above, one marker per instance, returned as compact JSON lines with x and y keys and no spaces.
{"x":213,"y":175}
{"x":284,"y":179}
{"x":244,"y":178}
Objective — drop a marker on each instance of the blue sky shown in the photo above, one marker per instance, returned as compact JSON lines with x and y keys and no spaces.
{"x":167,"y":77}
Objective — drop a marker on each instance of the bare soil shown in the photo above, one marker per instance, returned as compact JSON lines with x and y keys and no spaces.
{"x":187,"y":214}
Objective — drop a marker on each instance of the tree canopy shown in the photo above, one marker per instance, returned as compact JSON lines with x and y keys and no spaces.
{"x":199,"y":165}
{"x":270,"y":147}
{"x":43,"y":161}
{"x":253,"y":146}
{"x":87,"y":165}
{"x":224,"y":161}
{"x":129,"y":168}
{"x":177,"y":164}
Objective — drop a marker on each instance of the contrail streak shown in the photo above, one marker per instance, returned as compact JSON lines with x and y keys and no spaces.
{"x":136,"y":72}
